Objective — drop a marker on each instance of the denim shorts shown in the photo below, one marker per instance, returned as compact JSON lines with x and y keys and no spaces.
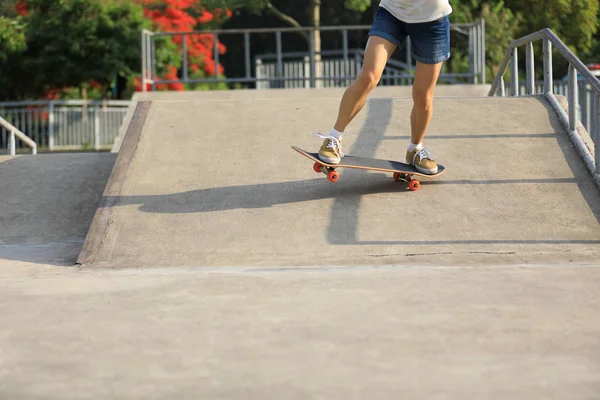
{"x":430,"y":40}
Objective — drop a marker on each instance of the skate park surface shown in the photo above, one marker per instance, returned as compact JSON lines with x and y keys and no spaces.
{"x":204,"y":258}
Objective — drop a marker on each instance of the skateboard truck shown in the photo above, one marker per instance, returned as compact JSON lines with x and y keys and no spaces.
{"x":333,"y":176}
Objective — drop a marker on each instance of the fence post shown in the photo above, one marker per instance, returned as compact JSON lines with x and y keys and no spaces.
{"x":596,"y":133}
{"x":51,"y":125}
{"x":530,"y":68}
{"x":312,"y":61}
{"x":346,"y":60}
{"x":279,"y":70}
{"x":514,"y":73}
{"x":185,"y":57}
{"x":153,"y":62}
{"x":96,"y":127}
{"x":573,"y":98}
{"x":144,"y":61}
{"x":548,"y":84}
{"x":471,"y":55}
{"x":483,"y":73}
{"x":11,"y":143}
{"x":247,"y":54}
{"x":216,"y":54}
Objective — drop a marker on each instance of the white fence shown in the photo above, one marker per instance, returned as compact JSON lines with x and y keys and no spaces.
{"x":65,"y":125}
{"x":586,"y":98}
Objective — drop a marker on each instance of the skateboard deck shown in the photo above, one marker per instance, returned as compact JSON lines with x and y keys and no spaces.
{"x":402,"y":172}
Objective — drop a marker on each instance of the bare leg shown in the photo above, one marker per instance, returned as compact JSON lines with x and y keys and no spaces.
{"x":377,"y":54}
{"x":426,"y":77}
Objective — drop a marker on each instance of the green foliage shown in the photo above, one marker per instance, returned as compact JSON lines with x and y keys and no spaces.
{"x":76,"y":41}
{"x":12,"y":37}
{"x":357,"y":5}
{"x":501,"y":28}
{"x":70,"y":42}
{"x":574,"y":21}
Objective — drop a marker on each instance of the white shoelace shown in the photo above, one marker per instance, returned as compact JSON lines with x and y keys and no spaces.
{"x":424,"y":153}
{"x":333,"y":143}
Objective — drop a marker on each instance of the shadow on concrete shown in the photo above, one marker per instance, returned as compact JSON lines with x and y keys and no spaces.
{"x":347,"y":194}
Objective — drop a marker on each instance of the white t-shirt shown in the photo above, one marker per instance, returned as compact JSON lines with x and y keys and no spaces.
{"x":416,"y":11}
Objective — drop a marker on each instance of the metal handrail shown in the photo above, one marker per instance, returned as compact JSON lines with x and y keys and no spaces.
{"x":592,"y":161}
{"x":13,"y":131}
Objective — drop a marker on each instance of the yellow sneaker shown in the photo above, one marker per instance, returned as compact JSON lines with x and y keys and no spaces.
{"x":331,"y":150}
{"x":422,"y":160}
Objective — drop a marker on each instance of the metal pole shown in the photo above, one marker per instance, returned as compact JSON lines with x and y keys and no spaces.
{"x":144,"y":60}
{"x":514,"y":73}
{"x":502,"y":87}
{"x":483,"y":72}
{"x":279,"y":59}
{"x":585,"y":106}
{"x":312,"y":61}
{"x":530,"y":68}
{"x":597,"y":131}
{"x":185,"y":56}
{"x":96,"y":127}
{"x":548,"y":83}
{"x":51,"y":125}
{"x":216,"y":53}
{"x":476,"y":57}
{"x":346,"y":62}
{"x":247,"y":54}
{"x":573,"y":98}
{"x":153,"y":61}
{"x":471,"y":54}
{"x":11,"y":143}
{"x":409,"y":58}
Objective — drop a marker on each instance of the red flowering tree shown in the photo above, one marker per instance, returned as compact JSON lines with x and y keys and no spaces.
{"x":187,"y":16}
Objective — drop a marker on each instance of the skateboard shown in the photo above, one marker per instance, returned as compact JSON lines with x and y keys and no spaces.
{"x":402,"y":172}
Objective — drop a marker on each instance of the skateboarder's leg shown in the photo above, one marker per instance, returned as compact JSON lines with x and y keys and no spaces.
{"x":377,"y":54}
{"x":426,"y":76}
{"x":385,"y":36}
{"x":431,"y":47}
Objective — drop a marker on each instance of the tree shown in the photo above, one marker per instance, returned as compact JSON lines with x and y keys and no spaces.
{"x":186,"y":16}
{"x":312,"y":8}
{"x":502,"y":27}
{"x":72,"y":43}
{"x":12,"y":37}
{"x":574,"y":21}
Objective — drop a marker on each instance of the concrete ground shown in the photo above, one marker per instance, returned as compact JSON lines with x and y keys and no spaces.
{"x":267,"y":281}
{"x":391,"y":332}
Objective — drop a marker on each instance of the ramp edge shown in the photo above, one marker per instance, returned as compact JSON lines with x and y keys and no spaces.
{"x":98,"y":229}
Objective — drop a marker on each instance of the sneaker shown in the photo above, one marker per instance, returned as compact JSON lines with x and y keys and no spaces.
{"x":331,"y":150}
{"x":422,"y":160}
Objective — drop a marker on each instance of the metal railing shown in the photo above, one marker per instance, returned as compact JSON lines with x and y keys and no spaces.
{"x":294,"y":71}
{"x":13,"y":131}
{"x":569,"y":121}
{"x":474,"y":31}
{"x":65,"y":124}
{"x":586,"y":98}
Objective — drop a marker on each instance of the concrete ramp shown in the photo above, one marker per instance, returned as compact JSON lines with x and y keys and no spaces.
{"x":215,"y":183}
{"x":47,"y":203}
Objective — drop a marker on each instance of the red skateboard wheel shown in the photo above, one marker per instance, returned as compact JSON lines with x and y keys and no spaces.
{"x":333,"y":176}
